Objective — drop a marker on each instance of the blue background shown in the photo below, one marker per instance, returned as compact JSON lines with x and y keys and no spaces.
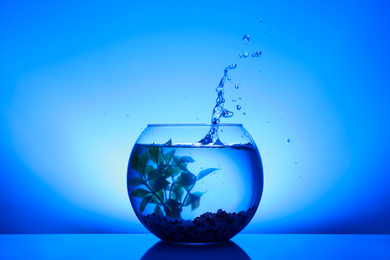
{"x":81,"y":80}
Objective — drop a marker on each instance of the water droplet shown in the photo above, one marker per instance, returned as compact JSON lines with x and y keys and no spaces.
{"x":239,"y":98}
{"x":296,"y":163}
{"x":246,"y":54}
{"x":246,"y":38}
{"x":256,"y":54}
{"x":238,"y":107}
{"x":229,"y":78}
{"x":227,"y":113}
{"x":288,"y":141}
{"x":261,"y":20}
{"x":265,"y":32}
{"x":267,"y":122}
{"x":234,"y":100}
{"x":236,"y":86}
{"x":240,"y":55}
{"x":127,"y":114}
{"x":244,"y":113}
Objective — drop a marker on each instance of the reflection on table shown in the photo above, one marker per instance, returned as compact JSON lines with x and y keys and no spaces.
{"x":227,"y":250}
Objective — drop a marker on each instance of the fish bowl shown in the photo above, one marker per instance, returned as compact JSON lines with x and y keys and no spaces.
{"x":184,"y":189}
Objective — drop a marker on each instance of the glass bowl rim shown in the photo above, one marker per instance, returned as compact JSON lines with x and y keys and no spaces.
{"x":195,"y":124}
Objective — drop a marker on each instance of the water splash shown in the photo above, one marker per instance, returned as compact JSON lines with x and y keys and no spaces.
{"x":218,"y":111}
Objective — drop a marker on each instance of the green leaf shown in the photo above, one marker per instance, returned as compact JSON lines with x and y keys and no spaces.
{"x":153,"y":151}
{"x":143,"y":160}
{"x":135,"y":181}
{"x":159,"y":183}
{"x":177,"y":170}
{"x":168,"y":172}
{"x":172,"y":208}
{"x":148,"y":169}
{"x":205,"y":173}
{"x":161,"y":195}
{"x":134,"y":158}
{"x":154,"y":200}
{"x":185,"y":180}
{"x":169,"y":155}
{"x":144,"y":202}
{"x":169,"y":143}
{"x":177,"y":194}
{"x":140,"y":193}
{"x":158,"y":210}
{"x":156,"y":155}
{"x":186,"y":159}
{"x":134,"y":161}
{"x":182,"y":161}
{"x":193,"y":199}
{"x":154,"y":174}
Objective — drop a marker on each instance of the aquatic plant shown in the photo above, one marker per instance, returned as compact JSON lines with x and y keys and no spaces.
{"x":164,"y":180}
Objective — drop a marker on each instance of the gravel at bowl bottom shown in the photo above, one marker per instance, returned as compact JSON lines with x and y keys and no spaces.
{"x":207,"y":228}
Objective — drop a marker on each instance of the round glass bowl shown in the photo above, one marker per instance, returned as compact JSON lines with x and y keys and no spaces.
{"x":184,"y":190}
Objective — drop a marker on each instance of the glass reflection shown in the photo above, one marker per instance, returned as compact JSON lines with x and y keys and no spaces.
{"x":164,"y":250}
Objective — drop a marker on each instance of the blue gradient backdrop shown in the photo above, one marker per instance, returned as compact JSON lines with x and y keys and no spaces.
{"x":80,"y":80}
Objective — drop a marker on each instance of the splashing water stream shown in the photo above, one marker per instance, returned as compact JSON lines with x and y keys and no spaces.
{"x":219,"y":111}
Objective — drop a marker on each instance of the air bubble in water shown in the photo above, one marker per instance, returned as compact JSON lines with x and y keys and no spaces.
{"x":246,"y":54}
{"x":238,"y":107}
{"x":228,"y":78}
{"x":246,"y":38}
{"x":236,"y":86}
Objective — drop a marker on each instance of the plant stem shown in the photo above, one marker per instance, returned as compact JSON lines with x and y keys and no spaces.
{"x":170,"y":190}
{"x":154,"y":193}
{"x":188,"y":192}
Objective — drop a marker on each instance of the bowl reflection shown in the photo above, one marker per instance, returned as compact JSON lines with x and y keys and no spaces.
{"x":164,"y":250}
